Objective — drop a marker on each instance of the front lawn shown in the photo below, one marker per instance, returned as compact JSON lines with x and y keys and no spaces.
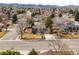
{"x":31,"y":36}
{"x":2,"y":34}
{"x":70,"y":36}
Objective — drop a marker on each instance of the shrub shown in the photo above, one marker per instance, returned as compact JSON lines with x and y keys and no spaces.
{"x":9,"y":52}
{"x":33,"y":52}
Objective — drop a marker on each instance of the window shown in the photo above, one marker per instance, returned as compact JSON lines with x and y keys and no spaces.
{"x":69,"y":28}
{"x":74,"y":28}
{"x":77,"y":28}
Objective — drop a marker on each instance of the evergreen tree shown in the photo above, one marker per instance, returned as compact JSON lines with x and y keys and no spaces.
{"x":14,"y":19}
{"x":49,"y":23}
{"x":52,"y":15}
{"x":60,"y":15}
{"x":77,"y":17}
{"x":71,"y":11}
{"x":33,"y":52}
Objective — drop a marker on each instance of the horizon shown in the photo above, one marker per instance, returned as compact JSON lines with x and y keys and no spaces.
{"x":43,"y":2}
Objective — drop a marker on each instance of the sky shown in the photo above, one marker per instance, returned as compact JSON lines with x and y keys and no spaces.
{"x":43,"y":2}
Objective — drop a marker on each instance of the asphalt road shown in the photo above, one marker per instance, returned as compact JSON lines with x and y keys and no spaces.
{"x":11,"y":35}
{"x":27,"y":45}
{"x":37,"y":44}
{"x":72,"y":43}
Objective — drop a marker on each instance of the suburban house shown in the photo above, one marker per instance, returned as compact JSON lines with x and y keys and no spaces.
{"x":70,"y":27}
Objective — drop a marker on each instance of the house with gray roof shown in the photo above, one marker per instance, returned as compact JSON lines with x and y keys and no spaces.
{"x":70,"y":27}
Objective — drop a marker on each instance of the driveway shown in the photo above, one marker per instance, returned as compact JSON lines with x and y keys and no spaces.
{"x":11,"y":35}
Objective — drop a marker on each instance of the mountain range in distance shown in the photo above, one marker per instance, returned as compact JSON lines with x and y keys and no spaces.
{"x":36,"y":6}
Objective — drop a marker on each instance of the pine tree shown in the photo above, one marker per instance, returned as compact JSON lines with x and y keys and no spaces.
{"x":33,"y":52}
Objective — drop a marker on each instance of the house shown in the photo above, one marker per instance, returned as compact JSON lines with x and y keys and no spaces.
{"x":70,"y":27}
{"x":39,"y":28}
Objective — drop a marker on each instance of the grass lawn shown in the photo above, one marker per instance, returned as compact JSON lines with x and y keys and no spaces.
{"x":70,"y":36}
{"x":2,"y":34}
{"x":31,"y":36}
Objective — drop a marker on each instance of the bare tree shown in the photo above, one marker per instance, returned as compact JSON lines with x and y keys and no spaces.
{"x":5,"y":22}
{"x":58,"y":45}
{"x":21,"y":26}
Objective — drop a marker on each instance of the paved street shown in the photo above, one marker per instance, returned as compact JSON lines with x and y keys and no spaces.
{"x":29,"y":44}
{"x":37,"y":44}
{"x":11,"y":35}
{"x":73,"y":43}
{"x":24,"y":45}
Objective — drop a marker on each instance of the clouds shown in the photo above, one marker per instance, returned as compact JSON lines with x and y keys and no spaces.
{"x":45,"y":2}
